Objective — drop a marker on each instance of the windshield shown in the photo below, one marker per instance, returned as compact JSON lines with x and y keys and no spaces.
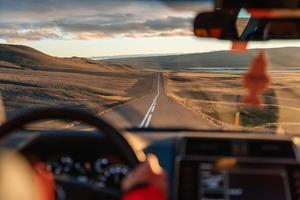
{"x":138,"y":64}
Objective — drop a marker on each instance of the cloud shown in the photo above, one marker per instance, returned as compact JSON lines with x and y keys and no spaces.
{"x":87,"y":20}
{"x":14,"y":34}
{"x":127,"y":27}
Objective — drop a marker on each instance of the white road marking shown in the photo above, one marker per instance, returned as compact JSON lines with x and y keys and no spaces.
{"x":147,"y":119}
{"x":146,"y":116}
{"x":153,"y":108}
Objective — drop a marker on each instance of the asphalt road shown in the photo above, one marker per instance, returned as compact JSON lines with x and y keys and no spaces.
{"x":155,"y":110}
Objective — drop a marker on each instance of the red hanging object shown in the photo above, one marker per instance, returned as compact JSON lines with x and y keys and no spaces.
{"x":256,"y":80}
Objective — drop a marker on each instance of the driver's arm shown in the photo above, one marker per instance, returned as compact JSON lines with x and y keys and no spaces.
{"x":147,"y":182}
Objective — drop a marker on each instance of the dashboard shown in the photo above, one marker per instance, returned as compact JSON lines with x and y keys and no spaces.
{"x":219,"y":168}
{"x":204,"y":179}
{"x":231,"y":167}
{"x":200,"y":166}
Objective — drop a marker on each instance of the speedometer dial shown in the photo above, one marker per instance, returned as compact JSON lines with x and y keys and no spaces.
{"x":61,"y":165}
{"x":67,"y":163}
{"x":113,"y":175}
{"x":100,"y":165}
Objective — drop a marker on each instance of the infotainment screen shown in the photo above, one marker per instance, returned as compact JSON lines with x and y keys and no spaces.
{"x":242,"y":184}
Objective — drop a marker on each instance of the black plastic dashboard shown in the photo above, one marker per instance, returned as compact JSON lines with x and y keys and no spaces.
{"x":230,"y":168}
{"x":200,"y":166}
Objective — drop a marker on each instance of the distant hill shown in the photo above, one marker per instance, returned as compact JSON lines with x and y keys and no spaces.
{"x":128,"y":56}
{"x":281,"y":58}
{"x":23,"y":57}
{"x":18,"y":56}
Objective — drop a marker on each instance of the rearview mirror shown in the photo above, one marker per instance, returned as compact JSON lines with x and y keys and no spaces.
{"x":225,"y":25}
{"x":266,"y":4}
{"x":217,"y":24}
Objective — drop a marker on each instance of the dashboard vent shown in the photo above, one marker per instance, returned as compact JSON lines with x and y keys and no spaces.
{"x":208,"y":147}
{"x":270,"y":149}
{"x":188,"y":181}
{"x":251,"y":148}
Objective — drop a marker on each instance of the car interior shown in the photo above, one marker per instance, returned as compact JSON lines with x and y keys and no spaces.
{"x":89,"y":160}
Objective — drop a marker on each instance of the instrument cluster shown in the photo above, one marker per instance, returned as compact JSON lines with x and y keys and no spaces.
{"x":103,"y":172}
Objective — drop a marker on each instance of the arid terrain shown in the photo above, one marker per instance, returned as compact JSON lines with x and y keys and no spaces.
{"x":218,"y":96}
{"x":29,"y":78}
{"x":209,"y":84}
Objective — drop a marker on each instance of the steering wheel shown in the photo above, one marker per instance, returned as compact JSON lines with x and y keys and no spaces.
{"x":74,"y":189}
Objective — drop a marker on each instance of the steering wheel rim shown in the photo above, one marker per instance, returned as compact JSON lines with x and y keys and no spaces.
{"x":59,"y":113}
{"x":110,"y":132}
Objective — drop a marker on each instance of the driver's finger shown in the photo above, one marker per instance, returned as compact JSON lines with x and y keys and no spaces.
{"x":147,"y":172}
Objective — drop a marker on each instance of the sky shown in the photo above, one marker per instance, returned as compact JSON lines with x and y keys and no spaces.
{"x":92,"y":28}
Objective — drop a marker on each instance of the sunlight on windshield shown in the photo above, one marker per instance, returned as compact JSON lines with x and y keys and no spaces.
{"x":138,"y":64}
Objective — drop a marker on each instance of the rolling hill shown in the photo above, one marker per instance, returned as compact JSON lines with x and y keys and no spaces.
{"x":281,"y":58}
{"x":18,"y":56}
{"x":30,"y":78}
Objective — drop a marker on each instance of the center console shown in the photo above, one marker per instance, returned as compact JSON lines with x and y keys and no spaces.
{"x":234,"y":169}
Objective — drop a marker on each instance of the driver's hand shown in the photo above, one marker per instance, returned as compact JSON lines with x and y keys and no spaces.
{"x":148,"y":172}
{"x":18,"y":180}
